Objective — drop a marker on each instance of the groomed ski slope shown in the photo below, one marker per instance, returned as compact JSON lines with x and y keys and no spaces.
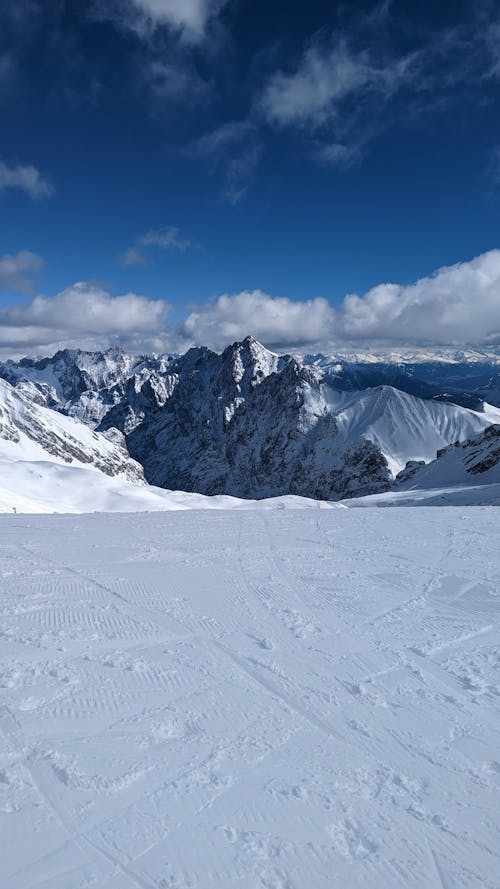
{"x":285,"y":699}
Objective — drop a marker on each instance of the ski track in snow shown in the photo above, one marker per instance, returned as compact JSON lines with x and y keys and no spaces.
{"x":234,"y":700}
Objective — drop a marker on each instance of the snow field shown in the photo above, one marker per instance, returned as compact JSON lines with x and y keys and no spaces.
{"x":286,"y":699}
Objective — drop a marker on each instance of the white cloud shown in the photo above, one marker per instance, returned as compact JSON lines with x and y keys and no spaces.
{"x":84,"y":316}
{"x":276,"y":321}
{"x":188,"y":16}
{"x":27,"y":179}
{"x":168,"y":238}
{"x":313,"y":93}
{"x":17,"y":271}
{"x":457,"y":304}
{"x":190,"y":19}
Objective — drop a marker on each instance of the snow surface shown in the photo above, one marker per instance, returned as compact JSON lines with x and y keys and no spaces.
{"x":33,"y":433}
{"x":45,"y":487}
{"x":467,"y":494}
{"x":464,"y":474}
{"x":402,"y":426}
{"x":222,"y":700}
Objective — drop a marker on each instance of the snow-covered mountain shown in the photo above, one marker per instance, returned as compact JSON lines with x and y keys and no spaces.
{"x":51,"y":459}
{"x":53,"y":463}
{"x":468,"y":379}
{"x":29,"y":431}
{"x":88,"y":385}
{"x":250,"y":423}
{"x":466,"y":473}
{"x":475,"y":461}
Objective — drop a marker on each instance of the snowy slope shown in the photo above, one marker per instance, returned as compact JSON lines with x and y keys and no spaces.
{"x":475,"y":461}
{"x":50,"y":462}
{"x":249,"y":423}
{"x":31,"y":432}
{"x":446,"y":495}
{"x":45,"y":487}
{"x":53,"y":463}
{"x":402,"y":426}
{"x":466,"y":473}
{"x":257,"y":700}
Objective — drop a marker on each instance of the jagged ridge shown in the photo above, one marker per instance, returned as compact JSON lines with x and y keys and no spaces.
{"x":249,"y":422}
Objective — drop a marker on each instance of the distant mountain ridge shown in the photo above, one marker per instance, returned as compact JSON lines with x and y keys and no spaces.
{"x":251,"y":423}
{"x":87,"y":385}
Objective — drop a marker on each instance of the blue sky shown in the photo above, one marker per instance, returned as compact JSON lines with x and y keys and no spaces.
{"x":181,"y":150}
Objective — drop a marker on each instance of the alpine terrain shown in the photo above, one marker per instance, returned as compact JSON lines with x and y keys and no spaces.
{"x":252,"y":424}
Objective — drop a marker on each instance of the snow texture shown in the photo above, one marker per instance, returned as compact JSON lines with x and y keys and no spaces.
{"x":233,"y":700}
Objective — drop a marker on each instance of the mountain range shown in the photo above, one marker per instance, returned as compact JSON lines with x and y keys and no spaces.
{"x":247,"y":423}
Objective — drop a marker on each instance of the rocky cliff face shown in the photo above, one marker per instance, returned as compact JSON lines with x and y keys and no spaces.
{"x":252,"y":424}
{"x":35,"y":433}
{"x":89,"y":385}
{"x":255,"y":425}
{"x":248,"y":422}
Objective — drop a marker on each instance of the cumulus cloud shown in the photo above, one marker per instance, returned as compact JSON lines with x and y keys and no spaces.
{"x":458,"y":304}
{"x":17,"y":271}
{"x":276,"y":321}
{"x":84,"y":316}
{"x":27,"y":179}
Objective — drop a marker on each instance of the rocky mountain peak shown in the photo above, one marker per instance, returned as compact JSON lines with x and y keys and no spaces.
{"x":252,"y":423}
